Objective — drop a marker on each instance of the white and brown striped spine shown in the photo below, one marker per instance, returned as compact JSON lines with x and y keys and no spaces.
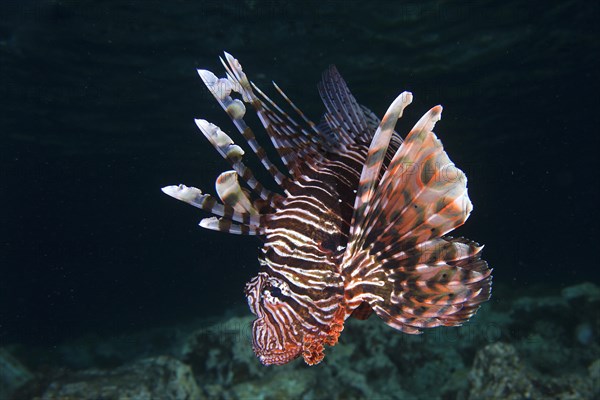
{"x":349,"y":231}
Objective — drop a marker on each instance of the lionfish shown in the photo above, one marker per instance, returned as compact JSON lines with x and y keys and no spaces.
{"x":357,"y":225}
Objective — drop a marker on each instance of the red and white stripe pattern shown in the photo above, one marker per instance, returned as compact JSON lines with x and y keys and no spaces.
{"x":357,"y":224}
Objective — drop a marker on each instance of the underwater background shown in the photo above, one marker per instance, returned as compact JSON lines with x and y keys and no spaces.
{"x":109,"y":289}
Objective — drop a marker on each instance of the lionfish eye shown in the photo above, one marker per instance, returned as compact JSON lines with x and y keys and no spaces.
{"x":329,"y":245}
{"x":276,"y":292}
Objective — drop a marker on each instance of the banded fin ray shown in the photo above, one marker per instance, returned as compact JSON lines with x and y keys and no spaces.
{"x":412,"y":277}
{"x":445,"y":293}
{"x":346,"y":123}
{"x":221,"y":90}
{"x":441,"y":271}
{"x":373,"y":122}
{"x":287,"y":136}
{"x":372,"y":166}
{"x":232,"y":194}
{"x":225,"y":225}
{"x":293,"y":142}
{"x":196,"y":198}
{"x":439,"y":283}
{"x":344,"y":116}
{"x":298,"y":145}
{"x":233,"y":154}
{"x":421,"y":195}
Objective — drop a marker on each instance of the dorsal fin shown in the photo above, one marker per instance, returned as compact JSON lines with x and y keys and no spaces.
{"x":345,"y":117}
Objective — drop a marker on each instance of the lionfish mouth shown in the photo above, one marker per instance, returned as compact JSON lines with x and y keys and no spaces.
{"x":268,"y":349}
{"x":277,"y":357}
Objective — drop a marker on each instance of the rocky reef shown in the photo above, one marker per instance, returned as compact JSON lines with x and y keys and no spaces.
{"x":537,"y":347}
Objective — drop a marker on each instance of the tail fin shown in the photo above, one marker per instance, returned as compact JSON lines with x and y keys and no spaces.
{"x":397,"y":259}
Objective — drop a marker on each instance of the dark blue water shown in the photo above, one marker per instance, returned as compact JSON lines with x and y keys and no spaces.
{"x":97,"y":100}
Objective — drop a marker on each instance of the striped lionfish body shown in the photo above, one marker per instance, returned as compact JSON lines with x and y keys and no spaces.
{"x":358,"y":225}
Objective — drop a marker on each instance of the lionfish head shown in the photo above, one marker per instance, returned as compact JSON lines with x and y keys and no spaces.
{"x":276,"y":335}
